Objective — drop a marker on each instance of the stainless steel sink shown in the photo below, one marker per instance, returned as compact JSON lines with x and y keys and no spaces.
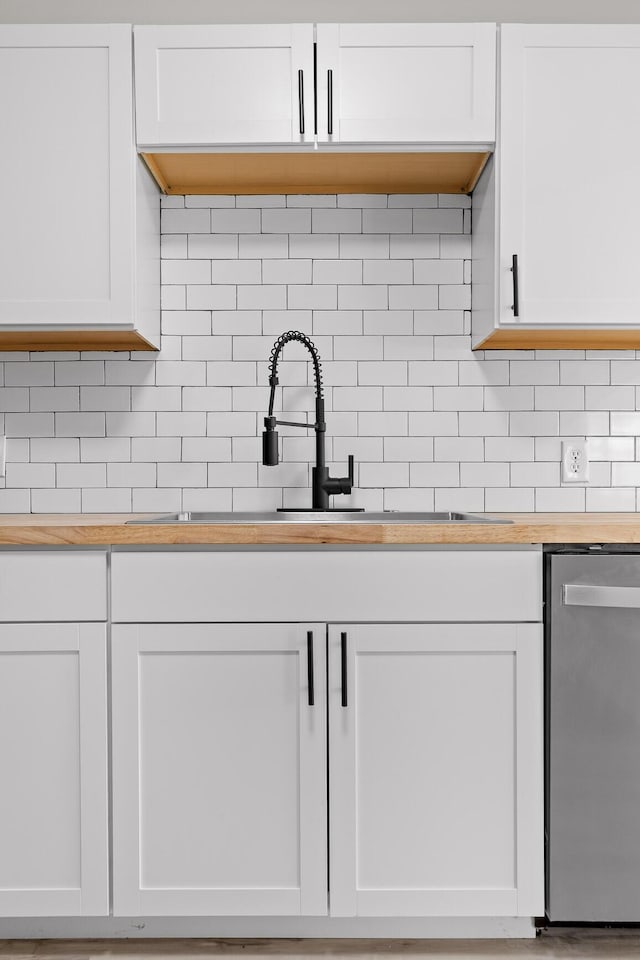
{"x":322,"y":516}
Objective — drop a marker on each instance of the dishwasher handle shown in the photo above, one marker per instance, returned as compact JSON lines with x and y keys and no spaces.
{"x":592,"y":595}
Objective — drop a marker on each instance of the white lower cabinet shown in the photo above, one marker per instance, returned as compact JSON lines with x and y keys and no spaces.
{"x":219,"y":769}
{"x":54,"y":857}
{"x":433,"y":776}
{"x":435,"y":760}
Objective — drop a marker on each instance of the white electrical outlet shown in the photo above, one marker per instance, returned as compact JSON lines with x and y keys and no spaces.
{"x":575,"y":461}
{"x":3,"y":456}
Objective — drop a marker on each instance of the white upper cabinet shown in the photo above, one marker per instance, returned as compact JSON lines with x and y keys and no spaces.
{"x":563,"y":201}
{"x":224,"y":84}
{"x":375,"y":83}
{"x":406,"y":82}
{"x":79,"y":224}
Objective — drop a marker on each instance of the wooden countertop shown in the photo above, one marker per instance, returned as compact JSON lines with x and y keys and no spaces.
{"x":104,"y":529}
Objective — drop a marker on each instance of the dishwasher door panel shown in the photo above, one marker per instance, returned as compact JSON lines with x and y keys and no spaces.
{"x":593,"y":800}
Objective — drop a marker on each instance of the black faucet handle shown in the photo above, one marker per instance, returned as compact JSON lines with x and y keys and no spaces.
{"x":350,"y":472}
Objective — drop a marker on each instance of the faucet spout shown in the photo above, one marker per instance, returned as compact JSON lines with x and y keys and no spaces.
{"x":323,"y":485}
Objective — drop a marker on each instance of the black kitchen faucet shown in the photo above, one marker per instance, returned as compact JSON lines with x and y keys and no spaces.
{"x":323,"y":486}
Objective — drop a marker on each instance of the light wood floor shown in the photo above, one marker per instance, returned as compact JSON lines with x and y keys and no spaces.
{"x":567,"y":946}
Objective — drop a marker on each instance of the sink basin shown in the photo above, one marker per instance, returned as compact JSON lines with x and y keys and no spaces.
{"x":322,"y":516}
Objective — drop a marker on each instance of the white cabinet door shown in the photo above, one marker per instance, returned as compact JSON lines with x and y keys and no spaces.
{"x":219,"y":770}
{"x":224,"y":84}
{"x":568,"y":159}
{"x":53,"y":760}
{"x":410,"y":82}
{"x":435,"y":746}
{"x":66,"y":230}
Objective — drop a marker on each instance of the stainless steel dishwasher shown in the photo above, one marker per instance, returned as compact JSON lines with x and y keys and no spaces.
{"x":593,"y":734}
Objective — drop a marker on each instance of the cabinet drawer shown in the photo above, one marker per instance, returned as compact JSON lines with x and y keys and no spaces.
{"x":327,"y":585}
{"x":53,"y":585}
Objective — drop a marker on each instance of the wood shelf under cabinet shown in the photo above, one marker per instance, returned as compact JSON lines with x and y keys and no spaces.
{"x":316,"y":173}
{"x":14,"y":340}
{"x":530,"y":338}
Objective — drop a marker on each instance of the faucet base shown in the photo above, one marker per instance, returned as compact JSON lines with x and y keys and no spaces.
{"x":320,"y":510}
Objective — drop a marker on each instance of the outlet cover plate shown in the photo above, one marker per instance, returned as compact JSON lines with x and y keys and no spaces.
{"x":575,"y":461}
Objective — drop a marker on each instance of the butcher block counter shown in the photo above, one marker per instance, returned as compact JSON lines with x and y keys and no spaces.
{"x":106,"y":529}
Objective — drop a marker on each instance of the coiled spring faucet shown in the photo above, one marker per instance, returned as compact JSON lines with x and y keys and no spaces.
{"x":323,"y":486}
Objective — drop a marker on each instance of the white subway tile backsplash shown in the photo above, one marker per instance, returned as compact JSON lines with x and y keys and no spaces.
{"x":560,"y":499}
{"x":56,"y":501}
{"x":603,"y":499}
{"x":407,"y":398}
{"x":81,"y":475}
{"x":234,"y":221}
{"x":234,"y":271}
{"x":363,"y":247}
{"x":457,"y":398}
{"x":31,"y":475}
{"x":29,"y":374}
{"x":186,"y":271}
{"x":92,"y":449}
{"x":311,"y":297}
{"x":591,"y":423}
{"x":458,"y":449}
{"x":433,"y":424}
{"x":124,"y":424}
{"x":438,"y":221}
{"x":212,"y":246}
{"x":336,"y":221}
{"x":53,"y":450}
{"x":508,"y":398}
{"x":261,"y":246}
{"x":14,"y":399}
{"x":382,"y":285}
{"x":435,"y":474}
{"x":559,"y":398}
{"x":286,"y":221}
{"x":357,"y":398}
{"x":155,"y":449}
{"x":148,"y":500}
{"x":207,"y":348}
{"x":286,"y":271}
{"x":509,"y":500}
{"x":610,"y":398}
{"x":218,"y":297}
{"x":186,"y":221}
{"x":182,"y":474}
{"x":413,"y":297}
{"x":98,"y":398}
{"x":484,"y":474}
{"x":106,"y":500}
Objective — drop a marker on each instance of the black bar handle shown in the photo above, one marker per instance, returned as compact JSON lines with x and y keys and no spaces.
{"x":514,"y":270}
{"x":315,"y":89}
{"x":343,"y":661}
{"x":330,"y":105}
{"x":310,"y":667}
{"x":350,"y":460}
{"x":301,"y":100}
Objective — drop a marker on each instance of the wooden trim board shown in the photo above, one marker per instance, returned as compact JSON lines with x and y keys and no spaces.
{"x":12,"y":340}
{"x":313,"y":173}
{"x":528,"y":338}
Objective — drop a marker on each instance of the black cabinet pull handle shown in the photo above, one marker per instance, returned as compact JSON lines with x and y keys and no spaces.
{"x":343,"y":660}
{"x":310,"y":667}
{"x":514,"y":271}
{"x":330,"y":102}
{"x":301,"y":100}
{"x":315,"y":89}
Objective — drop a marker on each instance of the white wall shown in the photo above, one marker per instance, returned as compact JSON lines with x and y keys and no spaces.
{"x":275,"y":11}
